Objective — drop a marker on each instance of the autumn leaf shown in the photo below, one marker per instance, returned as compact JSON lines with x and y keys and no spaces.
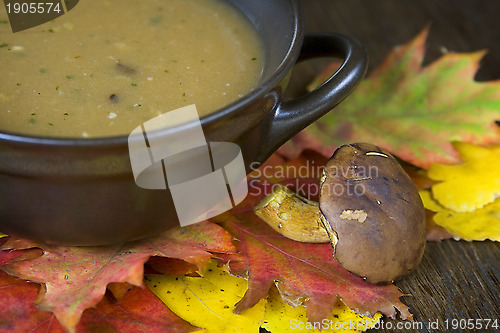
{"x":478,"y":178}
{"x":208,"y":302}
{"x":481,"y":224}
{"x":305,"y":274}
{"x":75,"y":278}
{"x":412,"y":111}
{"x":8,"y":257}
{"x":18,"y":312}
{"x":138,"y":310}
{"x":170,"y":266}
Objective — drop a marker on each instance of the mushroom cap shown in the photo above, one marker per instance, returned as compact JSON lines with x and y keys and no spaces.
{"x":375,"y":211}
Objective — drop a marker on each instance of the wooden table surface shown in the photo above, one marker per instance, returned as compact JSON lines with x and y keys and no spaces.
{"x":457,"y":280}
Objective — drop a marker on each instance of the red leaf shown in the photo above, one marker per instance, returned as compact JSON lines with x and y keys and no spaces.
{"x":8,"y":257}
{"x":138,"y":311}
{"x":303,"y":273}
{"x":76,"y":277}
{"x":17,"y":310}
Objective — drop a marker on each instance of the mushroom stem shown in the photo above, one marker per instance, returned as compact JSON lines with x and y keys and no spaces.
{"x":293,"y":216}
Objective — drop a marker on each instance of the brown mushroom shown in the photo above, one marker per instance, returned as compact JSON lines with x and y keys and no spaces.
{"x":369,"y":209}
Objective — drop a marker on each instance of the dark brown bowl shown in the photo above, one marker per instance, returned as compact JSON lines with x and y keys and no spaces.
{"x":82,"y":191}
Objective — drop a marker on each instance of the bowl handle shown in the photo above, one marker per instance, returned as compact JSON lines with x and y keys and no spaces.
{"x":293,"y":115}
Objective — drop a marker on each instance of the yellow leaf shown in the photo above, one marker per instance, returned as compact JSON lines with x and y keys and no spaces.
{"x":482,"y":223}
{"x":208,"y":302}
{"x":283,"y":318}
{"x":2,"y":235}
{"x":470,"y":185}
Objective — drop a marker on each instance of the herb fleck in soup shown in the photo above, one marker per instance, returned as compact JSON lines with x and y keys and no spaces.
{"x":105,"y":67}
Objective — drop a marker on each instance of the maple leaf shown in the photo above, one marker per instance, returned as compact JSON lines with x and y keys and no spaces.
{"x":413,"y":112}
{"x":75,"y":278}
{"x":483,"y":223}
{"x":138,"y":310}
{"x":478,"y":178}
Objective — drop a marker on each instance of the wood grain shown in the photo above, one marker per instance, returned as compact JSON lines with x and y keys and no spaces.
{"x":456,"y":280}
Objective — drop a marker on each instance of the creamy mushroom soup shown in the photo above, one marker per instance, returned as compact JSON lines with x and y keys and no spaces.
{"x":107,"y":66}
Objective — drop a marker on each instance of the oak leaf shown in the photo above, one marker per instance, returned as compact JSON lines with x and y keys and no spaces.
{"x":138,"y":310}
{"x":75,"y":278}
{"x":412,"y":111}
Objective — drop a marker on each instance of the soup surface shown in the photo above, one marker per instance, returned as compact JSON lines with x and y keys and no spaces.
{"x":105,"y":67}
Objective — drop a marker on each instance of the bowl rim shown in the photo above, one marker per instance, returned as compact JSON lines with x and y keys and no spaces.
{"x":288,"y":60}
